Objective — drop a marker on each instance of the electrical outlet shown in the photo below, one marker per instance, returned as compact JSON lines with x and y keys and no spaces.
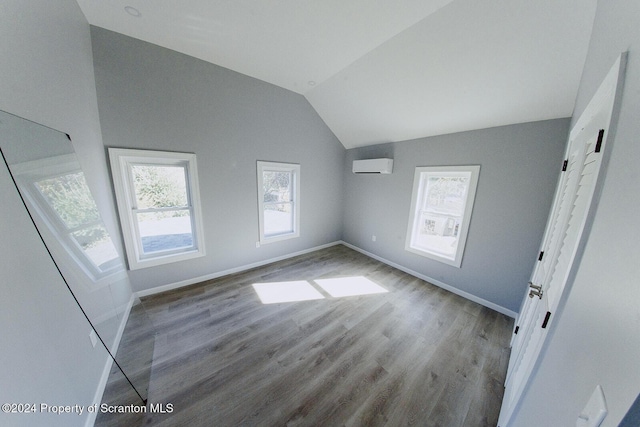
{"x":257,"y":244}
{"x":373,"y":238}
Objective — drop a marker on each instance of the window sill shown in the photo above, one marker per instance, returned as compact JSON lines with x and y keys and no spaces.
{"x":137,"y":264}
{"x":278,"y":238}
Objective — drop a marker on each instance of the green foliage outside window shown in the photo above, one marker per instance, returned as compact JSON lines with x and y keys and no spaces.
{"x":161,"y":187}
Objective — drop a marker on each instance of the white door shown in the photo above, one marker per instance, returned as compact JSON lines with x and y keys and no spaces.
{"x":562,"y":240}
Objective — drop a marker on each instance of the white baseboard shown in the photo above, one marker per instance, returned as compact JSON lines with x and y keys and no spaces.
{"x":97,"y":398}
{"x":437,"y":283}
{"x":172,"y":286}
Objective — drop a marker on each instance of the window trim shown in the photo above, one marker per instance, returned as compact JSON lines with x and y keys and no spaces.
{"x":417,"y":196}
{"x":294,"y":168}
{"x":122,"y":160}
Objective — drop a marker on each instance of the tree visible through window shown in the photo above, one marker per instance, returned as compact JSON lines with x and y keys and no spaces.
{"x":163,"y":211}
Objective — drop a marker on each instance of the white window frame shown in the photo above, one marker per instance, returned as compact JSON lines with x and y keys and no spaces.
{"x":417,"y":200}
{"x":122,"y":160}
{"x":279,"y":167}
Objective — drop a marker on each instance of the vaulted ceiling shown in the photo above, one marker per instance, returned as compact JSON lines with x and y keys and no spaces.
{"x":383,"y":70}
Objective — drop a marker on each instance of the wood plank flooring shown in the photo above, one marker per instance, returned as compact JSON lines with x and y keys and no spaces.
{"x":416,"y":355}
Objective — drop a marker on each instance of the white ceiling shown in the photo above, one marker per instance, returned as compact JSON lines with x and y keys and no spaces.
{"x":381,"y":70}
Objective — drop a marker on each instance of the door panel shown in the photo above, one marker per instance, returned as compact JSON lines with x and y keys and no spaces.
{"x":531,"y":312}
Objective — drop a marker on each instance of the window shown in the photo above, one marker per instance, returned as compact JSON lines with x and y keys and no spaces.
{"x":278,"y":201}
{"x":158,"y":201}
{"x":441,"y":211}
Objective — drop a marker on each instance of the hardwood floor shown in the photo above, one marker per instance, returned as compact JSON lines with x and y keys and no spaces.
{"x":415,"y":355}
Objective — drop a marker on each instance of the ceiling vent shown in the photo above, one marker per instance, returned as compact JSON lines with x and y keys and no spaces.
{"x":379,"y":166}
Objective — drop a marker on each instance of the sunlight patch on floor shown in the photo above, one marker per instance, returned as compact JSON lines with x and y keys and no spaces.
{"x":299,"y":290}
{"x":350,"y":286}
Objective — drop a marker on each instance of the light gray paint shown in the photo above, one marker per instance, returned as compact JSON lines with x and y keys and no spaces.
{"x":595,"y":340}
{"x":519,"y":166}
{"x":154,"y":98}
{"x":46,"y":75}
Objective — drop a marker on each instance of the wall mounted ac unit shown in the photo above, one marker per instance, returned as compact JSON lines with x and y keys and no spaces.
{"x":373,"y":166}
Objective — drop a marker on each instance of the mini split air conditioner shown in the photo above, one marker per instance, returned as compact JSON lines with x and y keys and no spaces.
{"x":373,"y":166}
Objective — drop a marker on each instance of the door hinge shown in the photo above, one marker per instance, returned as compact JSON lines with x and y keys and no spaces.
{"x":564,"y":165}
{"x":546,"y":320}
{"x":599,"y":143}
{"x":516,"y":330}
{"x":540,"y":256}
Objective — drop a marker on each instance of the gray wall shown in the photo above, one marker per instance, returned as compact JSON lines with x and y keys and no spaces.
{"x":597,"y":337}
{"x":46,"y":75}
{"x":519,"y":169}
{"x":154,"y":98}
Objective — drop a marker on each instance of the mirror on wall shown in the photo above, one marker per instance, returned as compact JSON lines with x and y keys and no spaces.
{"x":48,"y":175}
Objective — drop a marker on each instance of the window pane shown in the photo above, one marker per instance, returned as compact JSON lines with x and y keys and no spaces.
{"x":97,"y":246}
{"x":446,"y":194}
{"x":70,"y":198}
{"x":443,"y":203}
{"x":165,"y":231}
{"x":159,"y":186}
{"x":278,"y":219}
{"x":437,"y":233}
{"x":277,"y":186}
